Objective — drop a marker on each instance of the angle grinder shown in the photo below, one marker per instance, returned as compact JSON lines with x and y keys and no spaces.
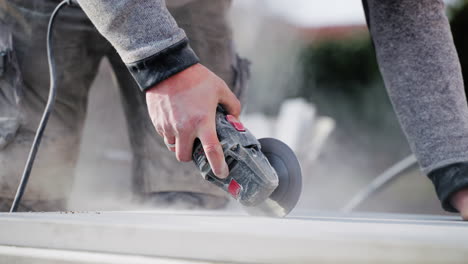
{"x":264,"y":175}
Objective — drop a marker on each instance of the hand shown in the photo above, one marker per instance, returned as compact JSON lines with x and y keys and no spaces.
{"x":460,"y":201}
{"x":183,"y":108}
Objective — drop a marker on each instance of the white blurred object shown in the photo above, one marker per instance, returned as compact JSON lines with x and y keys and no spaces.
{"x":118,"y":155}
{"x":322,"y":129}
{"x":259,"y":124}
{"x":295,"y":122}
{"x":310,"y":13}
{"x":297,"y":125}
{"x":313,"y":13}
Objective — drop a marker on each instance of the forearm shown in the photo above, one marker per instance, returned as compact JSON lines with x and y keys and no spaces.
{"x":145,"y":35}
{"x":422,"y":74}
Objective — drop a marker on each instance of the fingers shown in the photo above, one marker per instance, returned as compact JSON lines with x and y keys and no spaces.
{"x":460,"y":201}
{"x":230,"y":102}
{"x":213,"y":150}
{"x":184,"y":146}
{"x":170,"y":142}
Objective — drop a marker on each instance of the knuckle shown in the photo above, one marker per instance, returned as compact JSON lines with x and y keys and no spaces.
{"x":212,"y":148}
{"x":204,"y":120}
{"x":159,"y":129}
{"x":220,"y":83}
{"x":183,"y":156}
{"x":166,"y":128}
{"x":237,"y":105}
{"x":154,"y":120}
{"x":180,"y":127}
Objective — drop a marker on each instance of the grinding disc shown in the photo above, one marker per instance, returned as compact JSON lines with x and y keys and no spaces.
{"x":286,"y":165}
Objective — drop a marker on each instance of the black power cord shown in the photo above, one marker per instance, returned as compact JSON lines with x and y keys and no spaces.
{"x":47,"y":110}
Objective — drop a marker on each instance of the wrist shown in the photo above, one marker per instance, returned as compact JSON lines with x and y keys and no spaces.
{"x":179,"y":82}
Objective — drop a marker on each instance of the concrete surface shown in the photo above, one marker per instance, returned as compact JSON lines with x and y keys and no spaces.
{"x":323,"y":238}
{"x":25,"y":255}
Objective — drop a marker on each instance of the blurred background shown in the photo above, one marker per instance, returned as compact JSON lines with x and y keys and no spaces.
{"x":314,"y":75}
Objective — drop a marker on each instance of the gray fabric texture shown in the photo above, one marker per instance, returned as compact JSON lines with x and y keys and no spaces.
{"x":421,"y":71}
{"x":136,"y":29}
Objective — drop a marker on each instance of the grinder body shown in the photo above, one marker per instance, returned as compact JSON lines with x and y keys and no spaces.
{"x":252,"y":180}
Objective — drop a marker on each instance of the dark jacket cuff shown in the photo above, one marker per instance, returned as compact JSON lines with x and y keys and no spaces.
{"x":447,"y":181}
{"x":162,"y":65}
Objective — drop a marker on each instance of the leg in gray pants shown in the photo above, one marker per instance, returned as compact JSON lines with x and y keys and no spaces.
{"x":79,"y":49}
{"x":421,"y":71}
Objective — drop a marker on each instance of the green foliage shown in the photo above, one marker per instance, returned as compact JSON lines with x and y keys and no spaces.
{"x":340,"y":67}
{"x":342,"y":78}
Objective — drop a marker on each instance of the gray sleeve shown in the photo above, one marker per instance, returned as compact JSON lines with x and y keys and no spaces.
{"x":136,"y":29}
{"x":145,"y":35}
{"x":422,"y":73}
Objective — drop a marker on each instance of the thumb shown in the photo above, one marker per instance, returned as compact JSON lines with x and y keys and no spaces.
{"x":230,"y":102}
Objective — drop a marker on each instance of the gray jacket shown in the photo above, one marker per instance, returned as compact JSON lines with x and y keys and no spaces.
{"x":145,"y":35}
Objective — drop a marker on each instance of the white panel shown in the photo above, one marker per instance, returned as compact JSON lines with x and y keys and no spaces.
{"x":242,"y":239}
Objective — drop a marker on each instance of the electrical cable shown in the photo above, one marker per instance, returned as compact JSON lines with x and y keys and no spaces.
{"x":380,"y":182}
{"x":47,"y":111}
